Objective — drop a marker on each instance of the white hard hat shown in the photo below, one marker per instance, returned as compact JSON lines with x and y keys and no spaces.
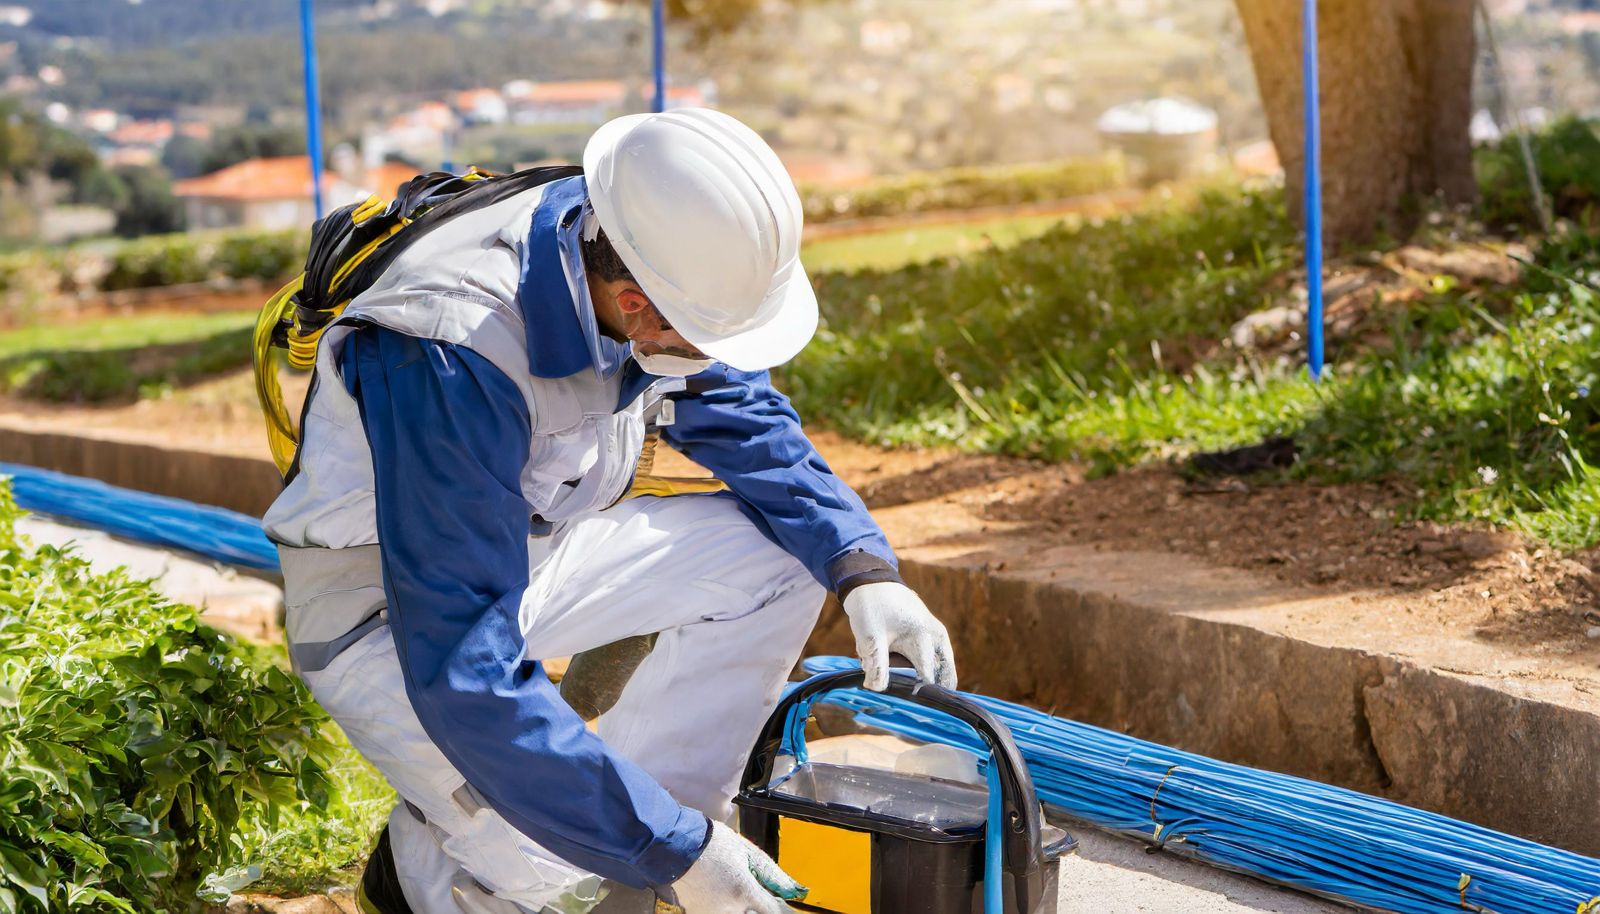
{"x":706,"y":218}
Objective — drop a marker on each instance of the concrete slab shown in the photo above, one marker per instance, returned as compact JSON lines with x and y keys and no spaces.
{"x":247,"y":606}
{"x":1111,"y":875}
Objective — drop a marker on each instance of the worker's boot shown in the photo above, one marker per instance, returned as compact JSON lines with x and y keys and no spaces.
{"x":379,"y":889}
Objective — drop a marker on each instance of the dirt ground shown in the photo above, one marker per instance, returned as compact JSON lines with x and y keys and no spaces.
{"x":1334,"y":539}
{"x":1331,"y":538}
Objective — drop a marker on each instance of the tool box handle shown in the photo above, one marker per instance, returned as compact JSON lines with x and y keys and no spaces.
{"x":1023,"y":858}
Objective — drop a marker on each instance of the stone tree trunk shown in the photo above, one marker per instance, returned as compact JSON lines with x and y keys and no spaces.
{"x":1396,"y":91}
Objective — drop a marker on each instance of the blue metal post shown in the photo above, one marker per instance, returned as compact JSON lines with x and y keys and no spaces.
{"x":1313,"y":207}
{"x":308,"y":49}
{"x":658,"y":23}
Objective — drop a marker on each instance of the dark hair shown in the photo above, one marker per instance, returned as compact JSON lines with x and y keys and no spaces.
{"x":601,"y":259}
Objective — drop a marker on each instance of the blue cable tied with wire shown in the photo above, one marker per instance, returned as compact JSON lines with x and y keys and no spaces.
{"x":1320,"y":839}
{"x":216,"y":533}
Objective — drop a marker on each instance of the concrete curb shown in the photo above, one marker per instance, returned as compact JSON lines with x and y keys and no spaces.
{"x":1185,"y":657}
{"x":1465,"y":747}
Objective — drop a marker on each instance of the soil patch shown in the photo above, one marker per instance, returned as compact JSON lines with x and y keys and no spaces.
{"x":1329,"y":538}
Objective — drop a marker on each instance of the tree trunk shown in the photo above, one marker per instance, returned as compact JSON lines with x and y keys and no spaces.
{"x":1396,"y":93}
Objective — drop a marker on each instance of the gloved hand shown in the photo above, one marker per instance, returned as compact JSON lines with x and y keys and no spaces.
{"x":887,"y":616}
{"x":733,"y":876}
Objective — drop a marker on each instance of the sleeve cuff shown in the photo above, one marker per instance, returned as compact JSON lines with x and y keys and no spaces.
{"x":853,"y":569}
{"x":671,"y":854}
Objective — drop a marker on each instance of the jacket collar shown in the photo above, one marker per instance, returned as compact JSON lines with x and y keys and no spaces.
{"x":553,"y":293}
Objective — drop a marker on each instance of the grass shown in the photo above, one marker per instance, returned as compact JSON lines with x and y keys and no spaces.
{"x":1098,"y":344}
{"x":122,"y":332}
{"x":122,"y":358}
{"x":898,"y":247}
{"x":959,"y":351}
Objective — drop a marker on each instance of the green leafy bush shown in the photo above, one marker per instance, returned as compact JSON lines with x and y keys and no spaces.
{"x":1567,"y":158}
{"x":260,"y":255}
{"x":159,"y":260}
{"x":28,"y":277}
{"x":966,"y":188}
{"x":136,"y":743}
{"x":104,"y":375}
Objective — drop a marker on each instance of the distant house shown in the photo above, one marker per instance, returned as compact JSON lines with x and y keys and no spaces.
{"x":421,"y":131}
{"x":678,"y":97}
{"x":134,"y":142}
{"x":592,"y":101}
{"x":100,"y":120}
{"x":481,"y":106}
{"x":275,"y":193}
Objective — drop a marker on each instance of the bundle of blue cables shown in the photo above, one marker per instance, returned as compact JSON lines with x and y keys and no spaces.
{"x":1325,"y":840}
{"x":216,"y":533}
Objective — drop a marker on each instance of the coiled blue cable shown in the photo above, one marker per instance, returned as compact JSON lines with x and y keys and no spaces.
{"x":1321,"y":839}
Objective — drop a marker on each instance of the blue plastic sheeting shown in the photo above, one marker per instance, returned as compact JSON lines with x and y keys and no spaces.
{"x":217,"y":533}
{"x":1321,"y":839}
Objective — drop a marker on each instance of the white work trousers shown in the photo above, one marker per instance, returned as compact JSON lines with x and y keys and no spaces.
{"x":733,"y":612}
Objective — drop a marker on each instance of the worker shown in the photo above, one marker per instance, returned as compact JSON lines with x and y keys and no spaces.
{"x":458,"y":514}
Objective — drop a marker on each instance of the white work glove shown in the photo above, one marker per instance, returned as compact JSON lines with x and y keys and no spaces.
{"x":889,"y":617}
{"x":733,"y":876}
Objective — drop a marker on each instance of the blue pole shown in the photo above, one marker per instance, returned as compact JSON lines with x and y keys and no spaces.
{"x":1313,"y":208}
{"x":308,"y":50}
{"x":658,"y":22}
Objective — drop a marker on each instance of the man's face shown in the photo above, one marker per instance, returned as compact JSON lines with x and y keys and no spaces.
{"x":648,"y":330}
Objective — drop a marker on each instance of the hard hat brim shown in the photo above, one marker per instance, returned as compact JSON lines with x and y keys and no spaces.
{"x":774,"y":341}
{"x":780,"y":339}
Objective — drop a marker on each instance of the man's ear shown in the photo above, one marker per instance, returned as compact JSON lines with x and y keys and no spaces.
{"x":632,"y":300}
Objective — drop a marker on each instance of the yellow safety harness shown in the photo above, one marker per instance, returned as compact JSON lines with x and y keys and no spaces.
{"x":350,"y":248}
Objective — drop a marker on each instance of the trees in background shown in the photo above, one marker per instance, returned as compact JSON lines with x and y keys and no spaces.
{"x":1396,"y":97}
{"x":250,"y":141}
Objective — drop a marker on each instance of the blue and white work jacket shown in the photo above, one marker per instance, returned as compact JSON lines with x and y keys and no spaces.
{"x":466,"y":391}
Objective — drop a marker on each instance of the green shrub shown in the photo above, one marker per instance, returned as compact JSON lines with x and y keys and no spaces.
{"x":1567,"y":158}
{"x":270,"y":256}
{"x":966,"y":188}
{"x":159,"y":260}
{"x":104,"y":375}
{"x":136,"y":743}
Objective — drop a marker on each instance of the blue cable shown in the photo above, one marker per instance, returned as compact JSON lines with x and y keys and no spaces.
{"x":216,"y":533}
{"x":1313,"y":199}
{"x":1314,"y":837}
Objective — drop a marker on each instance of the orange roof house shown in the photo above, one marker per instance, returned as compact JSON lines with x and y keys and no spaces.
{"x":578,"y":92}
{"x":270,"y":193}
{"x":276,"y":178}
{"x":276,"y":192}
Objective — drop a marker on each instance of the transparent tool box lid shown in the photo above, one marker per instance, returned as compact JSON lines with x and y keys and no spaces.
{"x":933,"y":803}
